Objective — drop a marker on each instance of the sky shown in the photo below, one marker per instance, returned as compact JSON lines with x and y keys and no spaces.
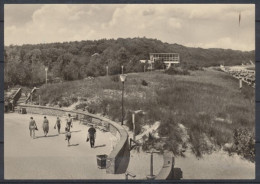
{"x":205,"y":26}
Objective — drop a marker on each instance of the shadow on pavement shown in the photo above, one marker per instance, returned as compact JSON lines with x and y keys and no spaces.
{"x":73,"y":145}
{"x":102,"y":145}
{"x":37,"y":137}
{"x":71,"y":131}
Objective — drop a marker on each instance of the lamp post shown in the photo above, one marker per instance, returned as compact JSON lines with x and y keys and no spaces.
{"x":46,"y":70}
{"x":122,"y":69}
{"x":123,"y":79}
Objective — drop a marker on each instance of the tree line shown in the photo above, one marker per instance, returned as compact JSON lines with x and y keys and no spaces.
{"x":25,"y":65}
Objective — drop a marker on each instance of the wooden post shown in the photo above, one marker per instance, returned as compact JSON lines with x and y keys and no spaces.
{"x":133,"y":120}
{"x":240,"y":84}
{"x":151,"y":176}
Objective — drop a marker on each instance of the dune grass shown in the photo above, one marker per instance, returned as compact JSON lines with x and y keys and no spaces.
{"x":208,"y":103}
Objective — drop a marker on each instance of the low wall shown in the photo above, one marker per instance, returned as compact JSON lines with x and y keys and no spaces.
{"x":118,"y":159}
{"x":168,"y":172}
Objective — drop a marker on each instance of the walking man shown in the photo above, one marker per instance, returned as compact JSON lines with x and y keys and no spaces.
{"x":69,"y":122}
{"x":58,"y":124}
{"x":68,"y":125}
{"x":92,"y":136}
{"x":32,"y":127}
{"x":45,"y":126}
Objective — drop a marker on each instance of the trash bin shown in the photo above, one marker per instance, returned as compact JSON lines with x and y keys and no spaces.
{"x":101,"y":161}
{"x":23,"y":110}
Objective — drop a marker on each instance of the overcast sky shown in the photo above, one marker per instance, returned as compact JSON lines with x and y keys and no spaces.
{"x":206,"y":26}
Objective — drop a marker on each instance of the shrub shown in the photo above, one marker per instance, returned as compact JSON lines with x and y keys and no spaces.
{"x":144,"y":83}
{"x":115,"y":78}
{"x":81,"y":106}
{"x":177,"y":71}
{"x":192,"y":67}
{"x":244,"y":144}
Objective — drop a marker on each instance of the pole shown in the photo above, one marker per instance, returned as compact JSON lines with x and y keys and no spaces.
{"x":122,"y":122}
{"x":46,"y":76}
{"x":107,"y":70}
{"x":122,"y":69}
{"x":151,"y":176}
{"x":133,"y":119}
{"x":240,"y":83}
{"x":151,"y":165}
{"x":39,"y":99}
{"x":126,"y":176}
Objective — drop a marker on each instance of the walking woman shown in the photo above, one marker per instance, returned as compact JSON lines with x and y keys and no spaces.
{"x":45,"y":126}
{"x":57,"y":124}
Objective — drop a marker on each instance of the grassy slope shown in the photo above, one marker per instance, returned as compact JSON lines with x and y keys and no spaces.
{"x":195,"y":101}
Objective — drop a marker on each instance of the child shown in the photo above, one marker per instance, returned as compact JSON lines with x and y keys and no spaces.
{"x":68,"y":135}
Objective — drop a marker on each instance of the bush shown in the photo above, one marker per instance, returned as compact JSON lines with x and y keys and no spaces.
{"x":144,"y":83}
{"x":115,"y":78}
{"x":244,"y":144}
{"x":81,"y":106}
{"x":192,"y":67}
{"x":177,"y":71}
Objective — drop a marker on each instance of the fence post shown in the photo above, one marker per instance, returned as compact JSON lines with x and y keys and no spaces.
{"x":240,"y":83}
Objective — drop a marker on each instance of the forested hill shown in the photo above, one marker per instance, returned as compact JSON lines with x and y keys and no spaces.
{"x":79,"y":59}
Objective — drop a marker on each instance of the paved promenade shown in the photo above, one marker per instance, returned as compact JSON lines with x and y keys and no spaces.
{"x":50,"y":157}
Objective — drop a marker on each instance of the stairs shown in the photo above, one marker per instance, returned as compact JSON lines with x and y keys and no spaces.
{"x":22,"y":99}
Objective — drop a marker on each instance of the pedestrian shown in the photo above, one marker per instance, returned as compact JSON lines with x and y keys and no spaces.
{"x":69,"y":122}
{"x":45,"y":126}
{"x":58,"y":123}
{"x":91,"y":136}
{"x":68,"y":135}
{"x":32,"y":127}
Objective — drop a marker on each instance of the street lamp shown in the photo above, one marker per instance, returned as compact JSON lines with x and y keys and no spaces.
{"x":46,"y":70}
{"x":123,"y":79}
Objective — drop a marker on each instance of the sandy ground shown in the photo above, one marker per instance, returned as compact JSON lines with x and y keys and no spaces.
{"x":50,"y":157}
{"x":218,"y":165}
{"x":140,"y":164}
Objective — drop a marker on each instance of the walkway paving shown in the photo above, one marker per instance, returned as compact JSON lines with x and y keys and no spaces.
{"x":50,"y":157}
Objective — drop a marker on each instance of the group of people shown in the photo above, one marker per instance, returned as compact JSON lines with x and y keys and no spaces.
{"x":32,"y":127}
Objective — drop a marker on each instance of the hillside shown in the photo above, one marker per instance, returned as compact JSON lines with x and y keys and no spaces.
{"x":204,"y":111}
{"x":25,"y":65}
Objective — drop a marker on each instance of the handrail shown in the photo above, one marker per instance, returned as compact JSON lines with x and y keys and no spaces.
{"x":17,"y":95}
{"x":30,"y":94}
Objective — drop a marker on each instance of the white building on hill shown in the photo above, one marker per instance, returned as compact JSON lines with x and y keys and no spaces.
{"x":168,"y":58}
